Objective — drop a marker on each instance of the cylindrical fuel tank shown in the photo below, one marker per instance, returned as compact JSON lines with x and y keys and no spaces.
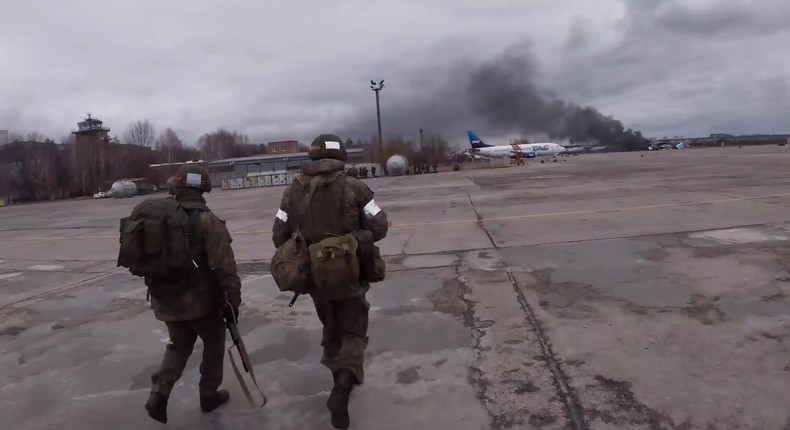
{"x":123,"y":189}
{"x":397,"y":165}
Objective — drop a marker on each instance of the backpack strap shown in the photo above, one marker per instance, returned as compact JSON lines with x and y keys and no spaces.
{"x":306,"y":201}
{"x":192,"y":266}
{"x":193,"y":214}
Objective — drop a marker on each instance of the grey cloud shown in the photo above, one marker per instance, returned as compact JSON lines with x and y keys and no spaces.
{"x":669,"y":68}
{"x":294,"y":70}
{"x":733,"y":17}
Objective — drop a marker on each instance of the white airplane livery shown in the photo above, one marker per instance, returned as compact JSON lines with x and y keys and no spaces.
{"x":530,"y":150}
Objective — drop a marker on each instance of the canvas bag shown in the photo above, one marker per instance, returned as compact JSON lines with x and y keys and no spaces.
{"x":334,"y":265}
{"x":373,"y":268}
{"x":290,"y":265}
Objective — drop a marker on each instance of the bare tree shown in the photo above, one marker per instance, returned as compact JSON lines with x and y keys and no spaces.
{"x":32,"y":169}
{"x":173,"y":150}
{"x":170,"y":145}
{"x":35,"y":137}
{"x":140,"y":133}
{"x":6,"y":181}
{"x":224,"y":144}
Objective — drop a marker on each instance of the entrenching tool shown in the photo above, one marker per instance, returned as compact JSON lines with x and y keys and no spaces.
{"x":231,"y":322}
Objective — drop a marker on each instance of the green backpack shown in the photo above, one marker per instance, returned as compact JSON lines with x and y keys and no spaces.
{"x":157,"y":239}
{"x":328,"y":267}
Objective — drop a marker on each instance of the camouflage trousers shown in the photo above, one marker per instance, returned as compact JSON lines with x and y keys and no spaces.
{"x":345,"y":333}
{"x":183,"y":335}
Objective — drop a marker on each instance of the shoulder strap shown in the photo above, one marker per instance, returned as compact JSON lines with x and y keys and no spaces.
{"x":306,"y":201}
{"x":193,"y":215}
{"x":338,"y":221}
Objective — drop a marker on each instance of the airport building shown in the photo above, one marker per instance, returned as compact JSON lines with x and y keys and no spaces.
{"x":724,"y":139}
{"x":272,"y":169}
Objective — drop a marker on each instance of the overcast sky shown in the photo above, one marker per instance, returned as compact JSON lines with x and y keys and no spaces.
{"x":279,"y":70}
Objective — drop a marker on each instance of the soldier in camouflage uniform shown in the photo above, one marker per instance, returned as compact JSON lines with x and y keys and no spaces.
{"x":198,"y":312}
{"x":345,"y":322}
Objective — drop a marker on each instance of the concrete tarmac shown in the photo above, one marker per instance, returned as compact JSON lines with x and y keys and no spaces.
{"x":605,"y":291}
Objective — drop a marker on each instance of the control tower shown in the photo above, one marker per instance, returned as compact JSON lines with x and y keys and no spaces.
{"x":90,"y":154}
{"x":90,"y":131}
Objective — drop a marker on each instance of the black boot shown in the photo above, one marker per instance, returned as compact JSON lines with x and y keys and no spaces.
{"x":338,"y":399}
{"x":209,"y":403}
{"x":157,"y":407}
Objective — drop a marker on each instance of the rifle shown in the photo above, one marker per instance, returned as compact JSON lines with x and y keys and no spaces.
{"x":231,"y":322}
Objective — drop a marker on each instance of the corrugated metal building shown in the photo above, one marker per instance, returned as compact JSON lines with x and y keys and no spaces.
{"x":269,"y":170}
{"x":231,"y":168}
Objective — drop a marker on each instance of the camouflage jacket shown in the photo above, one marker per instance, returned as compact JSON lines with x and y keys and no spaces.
{"x":332,"y":210}
{"x":214,"y":252}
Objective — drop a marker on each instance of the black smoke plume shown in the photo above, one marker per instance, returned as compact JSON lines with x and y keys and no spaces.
{"x":499,"y":96}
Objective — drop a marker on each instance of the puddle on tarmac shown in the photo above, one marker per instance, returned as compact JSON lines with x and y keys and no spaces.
{"x":770,"y":308}
{"x":4,"y":276}
{"x":420,"y":333}
{"x":740,"y":235}
{"x":557,"y":300}
{"x":613,"y":266}
{"x":46,"y":267}
{"x":400,"y":291}
{"x":286,"y":343}
{"x":419,"y":261}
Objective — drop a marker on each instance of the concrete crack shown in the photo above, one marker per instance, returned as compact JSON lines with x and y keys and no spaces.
{"x":568,"y":397}
{"x":480,"y":221}
{"x":406,"y":244}
{"x":475,"y":373}
{"x":564,"y":391}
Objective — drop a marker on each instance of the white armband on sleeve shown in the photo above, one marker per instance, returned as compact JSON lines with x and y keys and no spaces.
{"x":371,"y":209}
{"x":282,"y":215}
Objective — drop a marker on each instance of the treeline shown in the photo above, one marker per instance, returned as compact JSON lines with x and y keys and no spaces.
{"x":34,"y":167}
{"x":434,"y":148}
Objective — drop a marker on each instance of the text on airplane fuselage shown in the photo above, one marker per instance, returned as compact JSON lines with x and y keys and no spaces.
{"x":535,"y":148}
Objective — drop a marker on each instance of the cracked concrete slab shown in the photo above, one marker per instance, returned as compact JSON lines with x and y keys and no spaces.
{"x":609,"y":291}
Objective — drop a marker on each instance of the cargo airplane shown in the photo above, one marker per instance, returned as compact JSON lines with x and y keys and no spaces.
{"x":530,"y":150}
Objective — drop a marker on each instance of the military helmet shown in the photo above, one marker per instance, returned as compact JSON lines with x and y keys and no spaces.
{"x":327,"y":146}
{"x":192,"y":176}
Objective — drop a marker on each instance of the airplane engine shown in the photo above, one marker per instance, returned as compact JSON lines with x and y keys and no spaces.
{"x":530,"y":154}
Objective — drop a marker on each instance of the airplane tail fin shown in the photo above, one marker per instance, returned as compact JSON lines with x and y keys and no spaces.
{"x":475,"y":141}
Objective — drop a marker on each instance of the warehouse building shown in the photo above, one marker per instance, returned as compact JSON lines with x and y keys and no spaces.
{"x":271,"y":170}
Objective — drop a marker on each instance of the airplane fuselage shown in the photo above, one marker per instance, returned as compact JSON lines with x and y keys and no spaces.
{"x":530,"y":150}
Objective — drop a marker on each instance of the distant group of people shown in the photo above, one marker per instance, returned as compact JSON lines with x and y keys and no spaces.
{"x":419,"y":169}
{"x":360,"y":172}
{"x":194,"y":286}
